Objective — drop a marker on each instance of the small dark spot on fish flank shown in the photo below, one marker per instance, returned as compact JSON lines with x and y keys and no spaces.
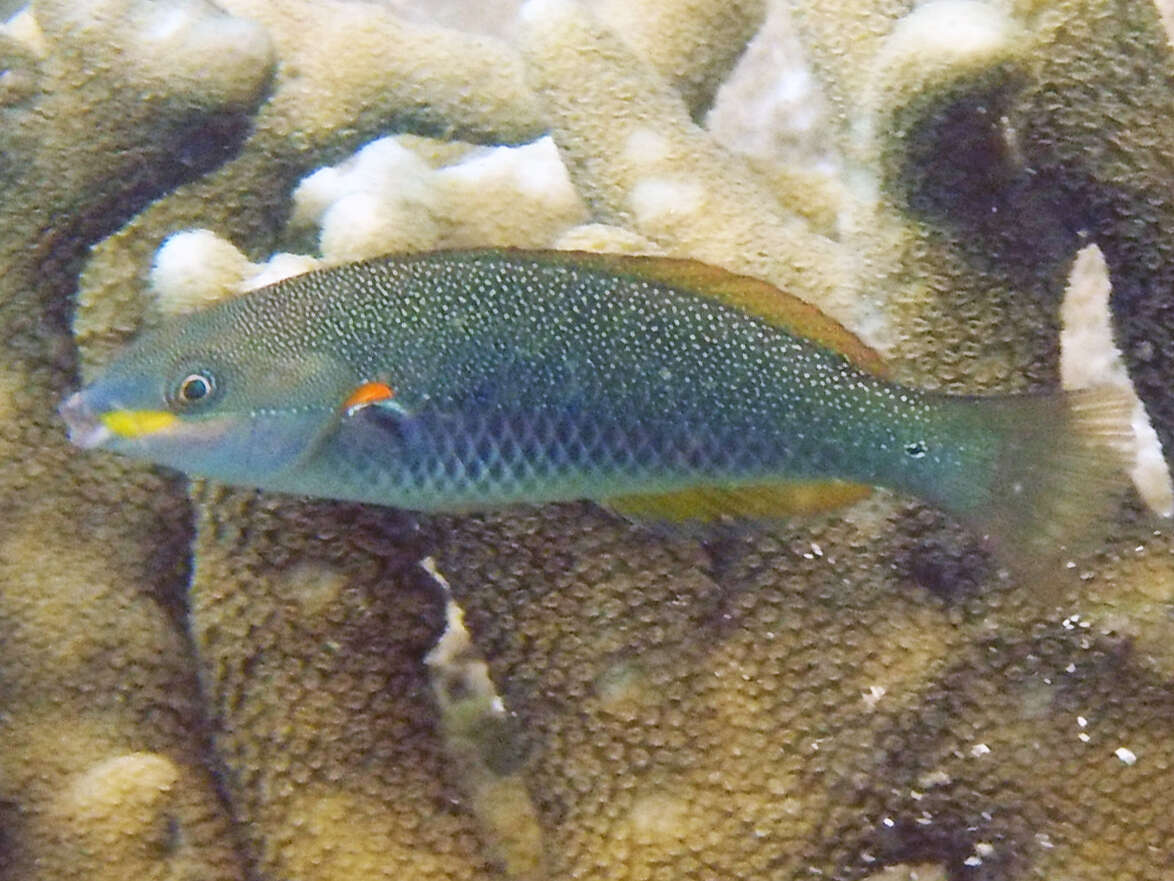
{"x":916,"y":449}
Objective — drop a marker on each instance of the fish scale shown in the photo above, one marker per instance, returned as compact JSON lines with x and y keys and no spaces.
{"x":501,"y":459}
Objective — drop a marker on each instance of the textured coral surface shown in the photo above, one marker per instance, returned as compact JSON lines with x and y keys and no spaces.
{"x":199,"y":682}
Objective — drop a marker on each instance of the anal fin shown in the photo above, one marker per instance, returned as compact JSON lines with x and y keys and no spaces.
{"x":765,"y":501}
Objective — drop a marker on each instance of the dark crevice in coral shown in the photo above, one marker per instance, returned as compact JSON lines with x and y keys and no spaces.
{"x":942,"y":556}
{"x":10,"y":832}
{"x":962,"y":170}
{"x":950,"y":841}
{"x":183,"y":151}
{"x":956,"y":164}
{"x":171,"y":557}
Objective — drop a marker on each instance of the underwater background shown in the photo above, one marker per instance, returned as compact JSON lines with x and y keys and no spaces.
{"x":205,"y":683}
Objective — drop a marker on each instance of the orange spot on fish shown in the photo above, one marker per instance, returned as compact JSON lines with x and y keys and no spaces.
{"x":366,"y":394}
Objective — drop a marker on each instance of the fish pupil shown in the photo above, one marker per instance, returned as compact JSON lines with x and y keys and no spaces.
{"x":194,"y":388}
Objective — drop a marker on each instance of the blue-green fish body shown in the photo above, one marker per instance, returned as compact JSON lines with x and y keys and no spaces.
{"x":471,"y":380}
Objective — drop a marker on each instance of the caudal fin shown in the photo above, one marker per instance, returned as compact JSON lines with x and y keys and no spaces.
{"x":1062,"y":470}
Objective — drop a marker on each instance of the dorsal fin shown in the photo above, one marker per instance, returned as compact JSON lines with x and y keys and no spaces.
{"x":743,"y":292}
{"x":767,"y":501}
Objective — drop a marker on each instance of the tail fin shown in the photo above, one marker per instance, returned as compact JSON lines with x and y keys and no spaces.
{"x":1061,"y":471}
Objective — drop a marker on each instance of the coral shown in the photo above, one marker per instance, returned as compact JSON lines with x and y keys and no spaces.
{"x":312,"y":623}
{"x":222,"y":683}
{"x":105,"y":771}
{"x":692,"y":45}
{"x":667,"y":179}
{"x":388,"y":199}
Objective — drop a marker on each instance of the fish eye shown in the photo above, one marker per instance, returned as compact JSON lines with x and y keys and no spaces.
{"x":194,"y":387}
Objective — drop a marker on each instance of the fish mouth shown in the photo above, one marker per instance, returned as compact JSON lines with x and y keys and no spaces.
{"x":85,"y":426}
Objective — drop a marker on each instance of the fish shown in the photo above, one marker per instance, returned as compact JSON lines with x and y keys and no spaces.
{"x":665,"y":389}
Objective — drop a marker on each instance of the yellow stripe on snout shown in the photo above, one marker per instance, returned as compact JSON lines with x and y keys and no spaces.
{"x":136,"y":423}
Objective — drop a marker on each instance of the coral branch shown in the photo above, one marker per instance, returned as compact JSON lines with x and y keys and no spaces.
{"x":694,"y":45}
{"x":667,"y":179}
{"x":103,"y":770}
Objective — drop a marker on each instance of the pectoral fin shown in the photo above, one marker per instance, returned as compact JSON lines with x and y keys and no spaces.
{"x":367,"y":394}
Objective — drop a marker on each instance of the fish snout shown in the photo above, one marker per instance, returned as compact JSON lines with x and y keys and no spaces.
{"x":85,"y":427}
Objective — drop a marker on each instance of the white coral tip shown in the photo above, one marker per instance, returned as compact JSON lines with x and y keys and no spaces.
{"x":384,"y":169}
{"x":953,"y":28}
{"x":279,"y":266}
{"x":539,"y":10}
{"x":195,"y":268}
